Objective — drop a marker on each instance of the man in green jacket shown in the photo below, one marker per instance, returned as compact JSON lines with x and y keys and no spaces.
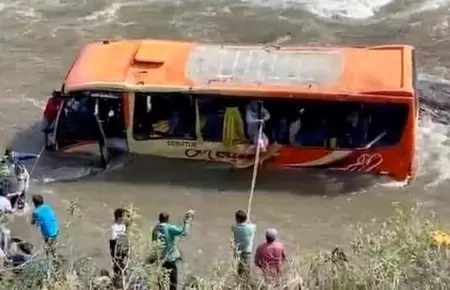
{"x":166,"y":234}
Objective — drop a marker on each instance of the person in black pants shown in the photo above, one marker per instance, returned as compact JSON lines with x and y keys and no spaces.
{"x":166,"y":235}
{"x":118,"y":244}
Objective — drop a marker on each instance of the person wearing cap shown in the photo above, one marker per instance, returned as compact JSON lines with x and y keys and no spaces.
{"x":270,"y":256}
{"x":243,"y":235}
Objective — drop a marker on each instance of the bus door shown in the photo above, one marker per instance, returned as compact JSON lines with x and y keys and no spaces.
{"x":79,"y":126}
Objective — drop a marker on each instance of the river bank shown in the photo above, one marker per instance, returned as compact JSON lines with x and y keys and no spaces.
{"x":396,"y":253}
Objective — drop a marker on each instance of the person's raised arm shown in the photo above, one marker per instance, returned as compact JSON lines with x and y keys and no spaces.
{"x":22,"y":156}
{"x":184,"y":229}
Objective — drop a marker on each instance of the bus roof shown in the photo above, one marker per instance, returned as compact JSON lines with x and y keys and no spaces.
{"x":159,"y":65}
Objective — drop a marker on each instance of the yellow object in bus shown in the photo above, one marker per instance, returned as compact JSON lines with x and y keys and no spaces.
{"x":440,"y":238}
{"x":233,"y":127}
{"x":161,"y":126}
{"x":333,"y":143}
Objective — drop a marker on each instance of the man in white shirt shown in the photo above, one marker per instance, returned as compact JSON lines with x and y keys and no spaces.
{"x":118,"y":244}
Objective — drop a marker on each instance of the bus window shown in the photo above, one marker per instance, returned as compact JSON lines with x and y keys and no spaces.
{"x":218,"y":114}
{"x":345,"y":125}
{"x":297,"y":123}
{"x":162,"y":115}
{"x":211,"y":118}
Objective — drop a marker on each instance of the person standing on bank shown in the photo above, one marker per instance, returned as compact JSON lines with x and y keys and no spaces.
{"x":270,"y":257}
{"x":166,"y":234}
{"x":45,"y":218}
{"x":243,"y":236}
{"x":118,"y":244}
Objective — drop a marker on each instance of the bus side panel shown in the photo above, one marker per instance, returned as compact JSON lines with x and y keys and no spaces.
{"x":389,"y":161}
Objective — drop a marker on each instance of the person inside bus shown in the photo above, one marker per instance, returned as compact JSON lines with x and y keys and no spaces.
{"x":295,"y":129}
{"x":312,"y":135}
{"x":77,"y":106}
{"x":355,"y":133}
{"x":181,"y":122}
{"x":211,"y":119}
{"x":256,"y":115}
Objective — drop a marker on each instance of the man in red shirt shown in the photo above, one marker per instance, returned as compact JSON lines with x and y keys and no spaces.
{"x":50,"y":114}
{"x":270,"y":256}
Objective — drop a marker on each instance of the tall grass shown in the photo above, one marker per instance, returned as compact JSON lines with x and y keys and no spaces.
{"x":396,"y":254}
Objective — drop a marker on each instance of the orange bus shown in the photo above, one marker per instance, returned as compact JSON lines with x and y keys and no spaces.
{"x":342,"y":108}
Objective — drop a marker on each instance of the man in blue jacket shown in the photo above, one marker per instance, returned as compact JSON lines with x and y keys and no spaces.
{"x":166,"y":234}
{"x":44,"y":217}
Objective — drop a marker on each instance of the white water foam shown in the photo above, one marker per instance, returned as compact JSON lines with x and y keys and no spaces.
{"x":433,"y":147}
{"x":109,"y":14}
{"x":20,"y":10}
{"x":417,"y":8}
{"x":353,"y":9}
{"x":433,"y":139}
{"x":432,"y":5}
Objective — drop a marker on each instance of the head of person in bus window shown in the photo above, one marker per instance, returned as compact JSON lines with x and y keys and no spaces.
{"x":253,"y":106}
{"x":353,"y":118}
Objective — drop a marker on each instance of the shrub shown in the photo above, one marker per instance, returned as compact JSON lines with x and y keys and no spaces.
{"x":396,"y":254}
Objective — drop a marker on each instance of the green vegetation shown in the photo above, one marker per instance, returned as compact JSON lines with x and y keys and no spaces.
{"x":398,"y":254}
